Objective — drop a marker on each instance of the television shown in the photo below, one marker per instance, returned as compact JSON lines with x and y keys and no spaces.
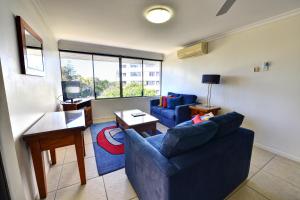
{"x":71,"y":90}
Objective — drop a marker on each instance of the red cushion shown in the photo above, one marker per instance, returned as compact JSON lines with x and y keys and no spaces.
{"x":164,"y":101}
{"x":196,"y":119}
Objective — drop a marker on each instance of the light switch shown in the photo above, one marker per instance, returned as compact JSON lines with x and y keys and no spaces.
{"x":266,"y":66}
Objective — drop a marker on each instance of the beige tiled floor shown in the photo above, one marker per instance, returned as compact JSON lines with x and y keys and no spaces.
{"x":271,"y":177}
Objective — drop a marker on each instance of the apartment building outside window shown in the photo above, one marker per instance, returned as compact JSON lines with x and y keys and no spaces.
{"x":111,"y":76}
{"x":135,"y":74}
{"x":151,"y":73}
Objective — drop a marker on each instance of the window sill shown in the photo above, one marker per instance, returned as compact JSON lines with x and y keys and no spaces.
{"x":112,"y":98}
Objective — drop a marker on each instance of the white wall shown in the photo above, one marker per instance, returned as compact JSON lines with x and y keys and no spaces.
{"x":269,"y":100}
{"x":105,"y":108}
{"x":7,"y":147}
{"x":27,"y":97}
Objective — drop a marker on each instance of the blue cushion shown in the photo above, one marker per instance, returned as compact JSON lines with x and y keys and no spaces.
{"x":156,"y":140}
{"x":173,"y":94}
{"x":156,"y":109}
{"x":173,"y":102}
{"x":186,"y":123}
{"x":228,"y":123}
{"x":168,"y":113}
{"x":182,"y":139}
{"x":189,"y":98}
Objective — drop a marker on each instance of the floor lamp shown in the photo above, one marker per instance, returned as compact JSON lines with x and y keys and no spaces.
{"x":210,"y":79}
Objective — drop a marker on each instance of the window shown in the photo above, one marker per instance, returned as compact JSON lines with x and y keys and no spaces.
{"x":106,"y":77}
{"x":78,"y":67}
{"x":151,"y":82}
{"x":134,"y":85}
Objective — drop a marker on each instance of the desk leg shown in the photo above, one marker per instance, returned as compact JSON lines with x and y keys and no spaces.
{"x":80,"y":156}
{"x":53,"y":156}
{"x":83,"y":145}
{"x":38,"y":165}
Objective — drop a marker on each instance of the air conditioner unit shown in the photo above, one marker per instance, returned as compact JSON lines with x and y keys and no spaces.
{"x":194,"y":50}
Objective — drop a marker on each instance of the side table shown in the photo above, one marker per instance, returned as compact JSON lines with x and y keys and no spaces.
{"x":202,"y":110}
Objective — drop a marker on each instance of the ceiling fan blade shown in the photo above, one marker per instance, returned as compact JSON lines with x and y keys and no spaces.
{"x":226,"y":6}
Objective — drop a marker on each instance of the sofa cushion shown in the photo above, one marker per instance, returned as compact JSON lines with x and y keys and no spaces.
{"x":197,"y":120}
{"x":173,"y":94}
{"x":168,"y":113}
{"x":156,"y":109}
{"x":174,"y":101}
{"x":160,"y":101}
{"x":189,"y":98}
{"x":228,"y":123}
{"x":184,"y":138}
{"x":164,"y":101}
{"x":156,"y":140}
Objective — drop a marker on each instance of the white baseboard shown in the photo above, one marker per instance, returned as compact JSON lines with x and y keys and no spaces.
{"x":278,"y":152}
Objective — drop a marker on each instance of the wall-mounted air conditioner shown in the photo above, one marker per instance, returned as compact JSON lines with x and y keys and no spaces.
{"x":193,"y":50}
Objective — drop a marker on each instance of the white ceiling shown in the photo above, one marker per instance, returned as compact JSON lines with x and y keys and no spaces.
{"x":121,"y":22}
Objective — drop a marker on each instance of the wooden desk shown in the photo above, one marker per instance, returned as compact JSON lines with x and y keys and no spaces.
{"x":54,"y":130}
{"x":202,"y":110}
{"x":84,"y":104}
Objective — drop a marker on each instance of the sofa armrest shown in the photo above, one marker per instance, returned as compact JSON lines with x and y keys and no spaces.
{"x":154,"y":102}
{"x":182,"y":113}
{"x":185,"y":123}
{"x":137,"y":149}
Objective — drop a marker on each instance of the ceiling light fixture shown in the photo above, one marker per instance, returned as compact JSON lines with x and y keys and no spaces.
{"x":158,"y":14}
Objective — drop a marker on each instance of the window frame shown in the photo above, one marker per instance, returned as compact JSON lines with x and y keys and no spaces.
{"x":120,"y":77}
{"x":120,"y":71}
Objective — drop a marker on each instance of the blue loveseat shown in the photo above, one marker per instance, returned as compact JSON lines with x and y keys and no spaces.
{"x":172,"y":117}
{"x":191,"y":161}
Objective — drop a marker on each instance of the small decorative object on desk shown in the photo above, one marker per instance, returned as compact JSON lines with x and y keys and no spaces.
{"x":138,"y":114}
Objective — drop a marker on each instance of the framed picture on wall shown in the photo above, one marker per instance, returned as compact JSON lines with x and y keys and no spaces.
{"x":30,"y":49}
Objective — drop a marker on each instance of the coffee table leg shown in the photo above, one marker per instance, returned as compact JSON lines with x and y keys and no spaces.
{"x":153,"y":129}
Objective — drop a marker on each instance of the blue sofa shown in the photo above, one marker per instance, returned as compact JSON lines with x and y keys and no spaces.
{"x":191,"y":161}
{"x":172,"y":117}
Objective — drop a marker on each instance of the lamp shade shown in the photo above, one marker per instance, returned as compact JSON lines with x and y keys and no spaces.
{"x":71,"y":89}
{"x":211,"y":78}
